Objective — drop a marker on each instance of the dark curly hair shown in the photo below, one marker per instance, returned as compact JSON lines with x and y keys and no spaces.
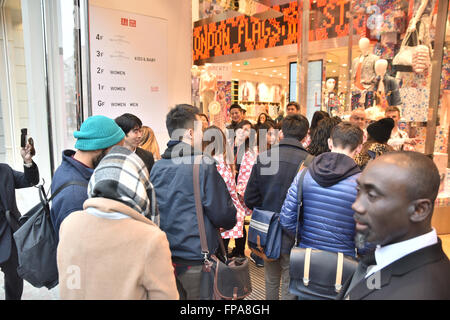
{"x":320,"y":136}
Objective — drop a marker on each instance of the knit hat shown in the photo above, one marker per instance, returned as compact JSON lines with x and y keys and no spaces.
{"x":98,"y":132}
{"x":381,"y":130}
{"x":123,"y":176}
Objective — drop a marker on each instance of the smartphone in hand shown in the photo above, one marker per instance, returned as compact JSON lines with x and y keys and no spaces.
{"x":24,"y":139}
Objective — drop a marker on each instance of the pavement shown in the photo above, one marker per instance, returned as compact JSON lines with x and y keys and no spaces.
{"x":30,"y":292}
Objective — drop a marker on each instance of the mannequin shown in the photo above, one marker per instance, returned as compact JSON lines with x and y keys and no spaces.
{"x":363,"y":75}
{"x":331,"y":101}
{"x":386,"y":86}
{"x":195,"y":81}
{"x":208,"y":87}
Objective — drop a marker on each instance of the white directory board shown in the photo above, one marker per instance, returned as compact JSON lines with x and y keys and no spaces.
{"x":129,"y":65}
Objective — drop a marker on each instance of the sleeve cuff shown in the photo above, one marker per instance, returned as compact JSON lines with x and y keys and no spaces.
{"x":28,"y":165}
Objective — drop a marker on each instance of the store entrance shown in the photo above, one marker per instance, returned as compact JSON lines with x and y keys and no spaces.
{"x":259,"y":85}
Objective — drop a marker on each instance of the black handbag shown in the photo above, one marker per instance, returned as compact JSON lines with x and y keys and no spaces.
{"x":317,"y":274}
{"x":220,"y":280}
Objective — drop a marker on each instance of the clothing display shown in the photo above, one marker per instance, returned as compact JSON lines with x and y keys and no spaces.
{"x":208,"y":88}
{"x":333,"y":103}
{"x":364,"y":99}
{"x":391,"y":90}
{"x":415,"y":101}
{"x":363,"y":71}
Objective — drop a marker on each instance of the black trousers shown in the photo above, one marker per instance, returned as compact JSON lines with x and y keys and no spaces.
{"x":13,"y":283}
{"x":239,"y":244}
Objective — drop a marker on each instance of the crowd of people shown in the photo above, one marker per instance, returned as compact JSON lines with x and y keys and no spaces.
{"x":130,"y":224}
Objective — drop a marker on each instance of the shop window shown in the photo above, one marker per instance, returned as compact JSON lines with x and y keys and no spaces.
{"x":13,"y":87}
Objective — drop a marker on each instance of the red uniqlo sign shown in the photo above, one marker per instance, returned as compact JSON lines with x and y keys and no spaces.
{"x":133,"y":23}
{"x":124,"y":21}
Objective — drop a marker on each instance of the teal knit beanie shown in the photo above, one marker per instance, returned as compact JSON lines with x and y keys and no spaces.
{"x":98,"y":132}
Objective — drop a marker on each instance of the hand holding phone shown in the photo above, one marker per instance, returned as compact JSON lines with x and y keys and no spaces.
{"x":27,"y":145}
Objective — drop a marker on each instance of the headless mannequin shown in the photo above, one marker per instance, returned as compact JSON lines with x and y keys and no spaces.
{"x":208,"y":87}
{"x":195,"y":82}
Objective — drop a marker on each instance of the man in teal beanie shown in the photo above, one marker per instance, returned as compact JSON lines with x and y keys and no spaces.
{"x":97,"y":136}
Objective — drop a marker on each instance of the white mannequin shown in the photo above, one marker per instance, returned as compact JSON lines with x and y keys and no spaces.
{"x":208,"y":87}
{"x":380,"y":70}
{"x":195,"y":71}
{"x":367,"y":60}
{"x":381,"y":67}
{"x":364,"y":46}
{"x":331,"y":83}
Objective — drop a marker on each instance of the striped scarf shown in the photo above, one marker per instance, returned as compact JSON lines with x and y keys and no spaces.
{"x":123,"y":176}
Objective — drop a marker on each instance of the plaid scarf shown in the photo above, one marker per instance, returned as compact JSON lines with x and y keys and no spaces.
{"x":123,"y":176}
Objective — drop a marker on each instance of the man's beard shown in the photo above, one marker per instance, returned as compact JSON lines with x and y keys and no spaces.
{"x":96,"y":161}
{"x":360,"y":240}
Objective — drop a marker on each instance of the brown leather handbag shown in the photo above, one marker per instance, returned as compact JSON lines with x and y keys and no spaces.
{"x":220,"y":280}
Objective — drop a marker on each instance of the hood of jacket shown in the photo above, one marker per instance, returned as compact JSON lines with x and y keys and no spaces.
{"x":330,"y":168}
{"x":176,"y":149}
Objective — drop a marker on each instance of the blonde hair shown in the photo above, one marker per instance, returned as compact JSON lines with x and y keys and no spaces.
{"x":149,"y":142}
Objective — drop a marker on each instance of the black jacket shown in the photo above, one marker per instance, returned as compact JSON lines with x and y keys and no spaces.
{"x":147,"y":158}
{"x":421,"y":275}
{"x":268,"y":191}
{"x":172,"y":178}
{"x":11,"y":180}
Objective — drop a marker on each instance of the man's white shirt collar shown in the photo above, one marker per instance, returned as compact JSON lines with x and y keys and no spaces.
{"x":386,"y":255}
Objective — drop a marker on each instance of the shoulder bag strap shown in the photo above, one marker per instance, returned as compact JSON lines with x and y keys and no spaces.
{"x":304,"y":166}
{"x":199,"y":210}
{"x":199,"y":207}
{"x":65,"y":185}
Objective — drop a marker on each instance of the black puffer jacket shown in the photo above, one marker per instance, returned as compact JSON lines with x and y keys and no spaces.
{"x":172,"y":178}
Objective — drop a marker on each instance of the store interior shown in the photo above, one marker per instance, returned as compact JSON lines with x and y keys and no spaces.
{"x":265,"y":84}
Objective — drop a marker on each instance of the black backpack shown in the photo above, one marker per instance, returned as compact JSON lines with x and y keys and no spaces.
{"x":36,"y":242}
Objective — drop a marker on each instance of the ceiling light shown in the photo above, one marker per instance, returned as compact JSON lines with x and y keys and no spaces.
{"x":264,"y":59}
{"x":334,"y":71}
{"x":281,"y":74}
{"x":344,"y":65}
{"x":256,"y":72}
{"x":272,"y":60}
{"x":239,"y":70}
{"x":330,"y":61}
{"x":274,"y":70}
{"x":237,"y":64}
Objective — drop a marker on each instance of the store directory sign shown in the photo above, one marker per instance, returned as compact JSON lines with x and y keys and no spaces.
{"x":129,"y":66}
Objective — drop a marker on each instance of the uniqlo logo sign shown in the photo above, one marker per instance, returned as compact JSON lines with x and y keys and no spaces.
{"x":128,"y":22}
